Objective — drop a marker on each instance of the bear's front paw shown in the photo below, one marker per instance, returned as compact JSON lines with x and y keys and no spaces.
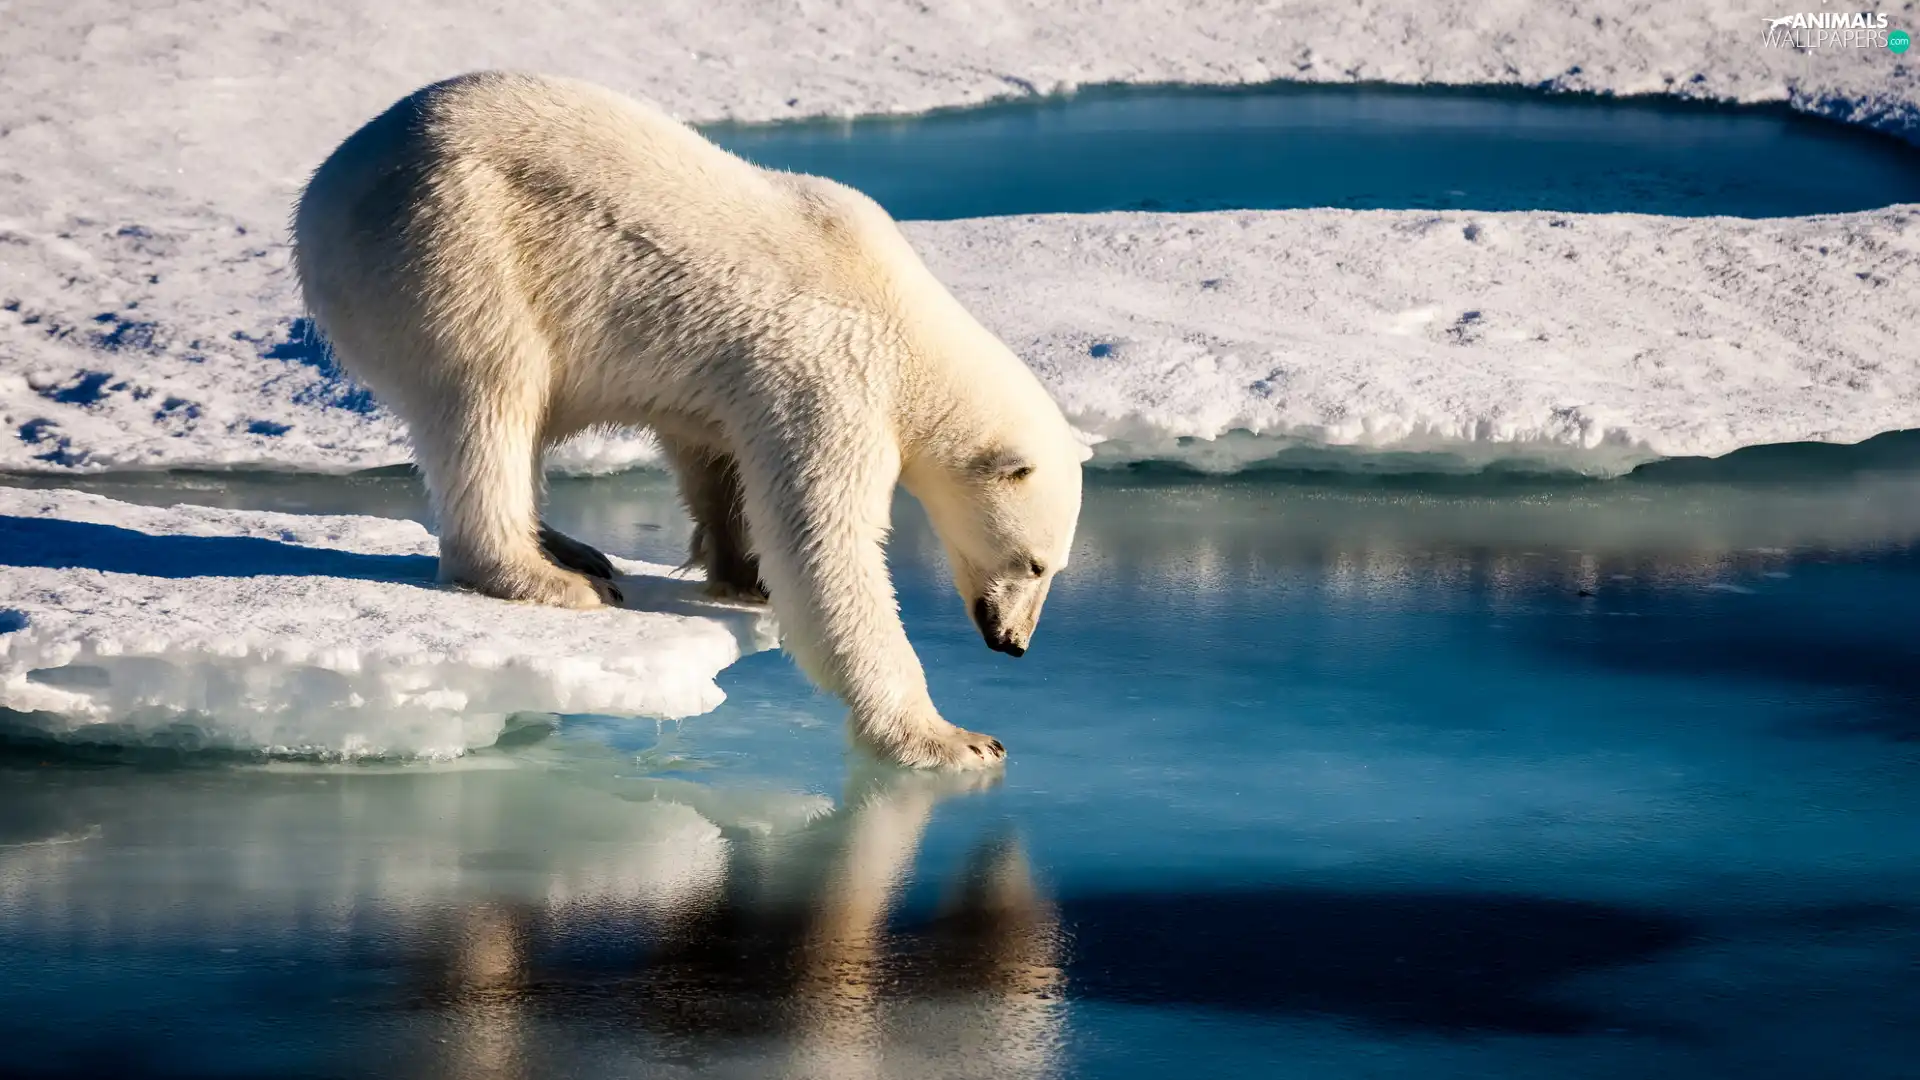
{"x":963,"y":749}
{"x":946,"y":747}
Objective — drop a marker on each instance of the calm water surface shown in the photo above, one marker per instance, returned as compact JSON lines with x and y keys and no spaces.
{"x":1308,"y":778}
{"x":1358,"y":147}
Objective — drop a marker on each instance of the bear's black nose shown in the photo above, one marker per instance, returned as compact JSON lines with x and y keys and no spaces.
{"x":996,"y":640}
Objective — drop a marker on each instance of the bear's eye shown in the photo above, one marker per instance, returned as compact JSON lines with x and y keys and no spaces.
{"x":1020,"y":473}
{"x":1036,"y":568}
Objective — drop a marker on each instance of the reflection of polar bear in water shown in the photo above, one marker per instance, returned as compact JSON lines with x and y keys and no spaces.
{"x":509,"y":260}
{"x":519,"y":923}
{"x":795,"y":958}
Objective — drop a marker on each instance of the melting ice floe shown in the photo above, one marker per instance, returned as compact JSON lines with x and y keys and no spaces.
{"x":319,"y":635}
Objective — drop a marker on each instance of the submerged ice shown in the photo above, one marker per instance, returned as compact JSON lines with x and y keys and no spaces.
{"x":315,"y":635}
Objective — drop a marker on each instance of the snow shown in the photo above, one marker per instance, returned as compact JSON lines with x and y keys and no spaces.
{"x":315,"y":635}
{"x":148,"y":158}
{"x":1323,"y":338}
{"x":1592,"y":342}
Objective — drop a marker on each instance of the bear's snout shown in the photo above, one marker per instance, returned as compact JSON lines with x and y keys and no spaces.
{"x":998,"y":638}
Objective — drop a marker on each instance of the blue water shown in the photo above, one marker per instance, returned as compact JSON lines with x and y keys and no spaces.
{"x":1308,"y":778}
{"x":1359,"y":147}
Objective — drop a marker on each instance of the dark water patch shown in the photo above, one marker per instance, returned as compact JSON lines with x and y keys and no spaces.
{"x":1289,"y":146}
{"x":1440,"y":961}
{"x":1852,"y":916}
{"x":1828,"y":629}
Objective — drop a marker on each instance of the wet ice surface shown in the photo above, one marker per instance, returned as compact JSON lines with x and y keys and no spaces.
{"x":1342,"y":780}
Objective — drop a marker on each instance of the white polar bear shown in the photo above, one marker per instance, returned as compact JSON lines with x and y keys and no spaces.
{"x":506,"y":260}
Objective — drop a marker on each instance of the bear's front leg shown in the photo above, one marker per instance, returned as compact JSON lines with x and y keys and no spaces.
{"x":818,"y":500}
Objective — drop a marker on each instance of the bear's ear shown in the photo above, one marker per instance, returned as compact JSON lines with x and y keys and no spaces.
{"x":1002,"y":465}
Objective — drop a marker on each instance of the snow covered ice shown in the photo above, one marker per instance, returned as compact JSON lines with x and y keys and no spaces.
{"x":1588,"y":342}
{"x":1584,"y":342}
{"x":315,"y":635}
{"x":148,"y":317}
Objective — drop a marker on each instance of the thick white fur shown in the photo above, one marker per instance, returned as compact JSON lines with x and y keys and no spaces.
{"x":508,"y":259}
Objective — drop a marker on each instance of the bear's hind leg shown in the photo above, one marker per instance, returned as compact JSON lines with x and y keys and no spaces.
{"x":481,"y":461}
{"x":710,"y":486}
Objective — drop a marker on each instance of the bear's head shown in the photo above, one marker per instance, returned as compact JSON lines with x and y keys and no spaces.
{"x":1006,"y":517}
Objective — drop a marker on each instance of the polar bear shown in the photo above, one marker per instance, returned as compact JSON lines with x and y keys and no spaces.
{"x":506,"y":260}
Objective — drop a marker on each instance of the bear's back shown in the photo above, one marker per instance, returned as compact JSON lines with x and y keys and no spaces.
{"x":570,"y":144}
{"x":497,"y":162}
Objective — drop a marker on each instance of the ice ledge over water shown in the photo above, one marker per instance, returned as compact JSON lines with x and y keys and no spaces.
{"x":315,"y":635}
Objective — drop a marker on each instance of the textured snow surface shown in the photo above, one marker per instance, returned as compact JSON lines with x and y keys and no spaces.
{"x":1589,"y":342}
{"x":320,"y":635}
{"x":149,"y":154}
